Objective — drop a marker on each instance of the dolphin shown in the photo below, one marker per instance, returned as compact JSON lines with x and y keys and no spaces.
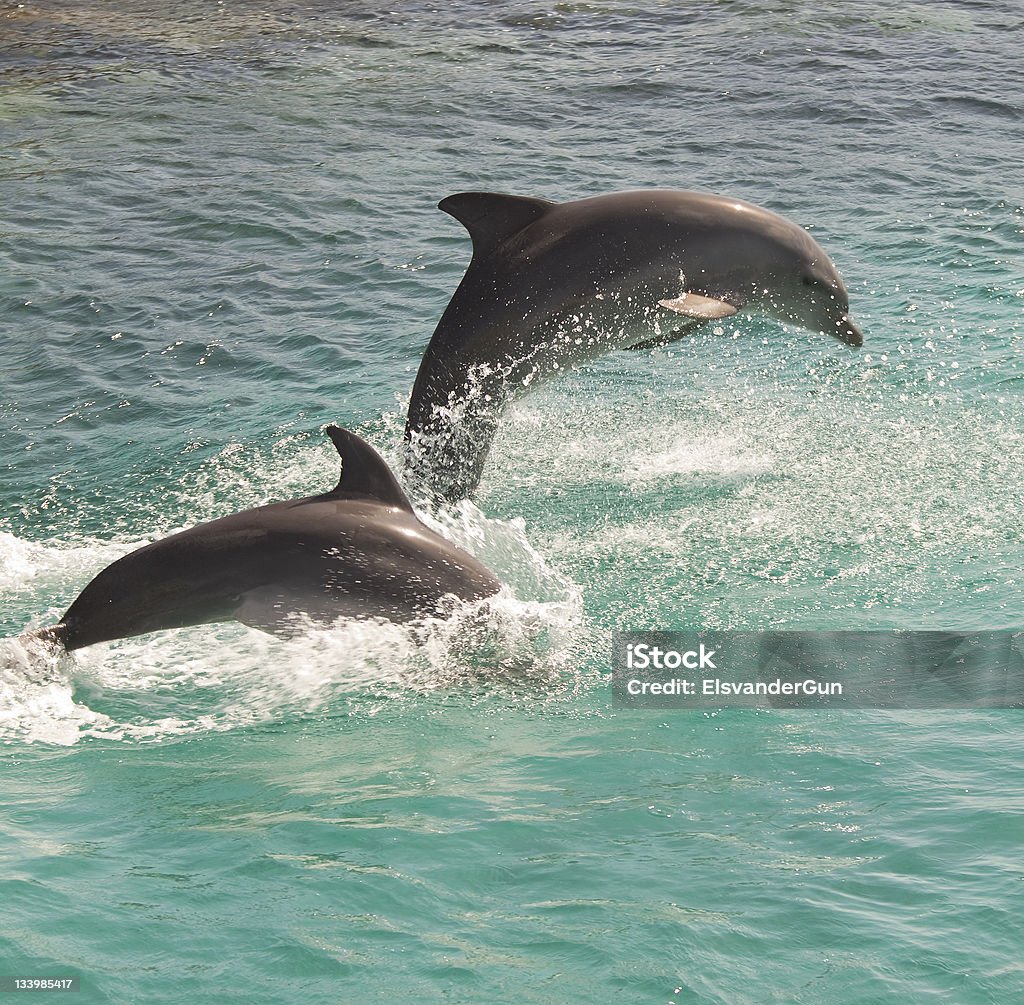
{"x":553,"y":285}
{"x":358,"y":551}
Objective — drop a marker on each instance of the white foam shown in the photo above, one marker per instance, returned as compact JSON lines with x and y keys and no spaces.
{"x":19,"y":561}
{"x":50,"y":565}
{"x":36,"y":700}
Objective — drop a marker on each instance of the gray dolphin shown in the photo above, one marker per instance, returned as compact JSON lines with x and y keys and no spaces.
{"x":552,"y":285}
{"x":358,"y":550}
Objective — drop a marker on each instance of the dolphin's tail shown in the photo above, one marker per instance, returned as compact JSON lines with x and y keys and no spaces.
{"x":444,"y":461}
{"x":54,"y":637}
{"x":453,"y":416}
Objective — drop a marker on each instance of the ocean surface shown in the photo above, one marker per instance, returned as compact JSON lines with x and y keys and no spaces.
{"x":218,"y":234}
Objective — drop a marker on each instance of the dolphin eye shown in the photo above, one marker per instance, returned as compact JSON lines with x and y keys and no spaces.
{"x":810,"y":281}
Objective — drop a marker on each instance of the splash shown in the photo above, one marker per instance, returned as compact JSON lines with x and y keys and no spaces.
{"x":224,"y":677}
{"x":723,"y":457}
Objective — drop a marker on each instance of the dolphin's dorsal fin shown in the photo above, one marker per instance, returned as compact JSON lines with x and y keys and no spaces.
{"x":492,"y":218}
{"x":364,"y":473}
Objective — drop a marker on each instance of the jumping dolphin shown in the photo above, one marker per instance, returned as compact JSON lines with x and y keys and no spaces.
{"x":358,"y":550}
{"x":551,"y":286}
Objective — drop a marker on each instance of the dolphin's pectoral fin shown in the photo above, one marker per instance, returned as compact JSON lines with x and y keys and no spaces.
{"x":686,"y":327}
{"x":693,"y":309}
{"x":695,"y":305}
{"x":491,"y":218}
{"x":364,"y":473}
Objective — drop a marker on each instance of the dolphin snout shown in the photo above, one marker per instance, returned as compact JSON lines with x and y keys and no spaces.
{"x":846,"y":331}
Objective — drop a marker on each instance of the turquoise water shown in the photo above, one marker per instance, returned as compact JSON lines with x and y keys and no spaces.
{"x":218,"y":233}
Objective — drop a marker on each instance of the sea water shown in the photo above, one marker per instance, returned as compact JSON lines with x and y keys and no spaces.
{"x":218,"y":233}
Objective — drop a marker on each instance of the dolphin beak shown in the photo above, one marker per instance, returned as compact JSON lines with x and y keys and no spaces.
{"x":846,"y":331}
